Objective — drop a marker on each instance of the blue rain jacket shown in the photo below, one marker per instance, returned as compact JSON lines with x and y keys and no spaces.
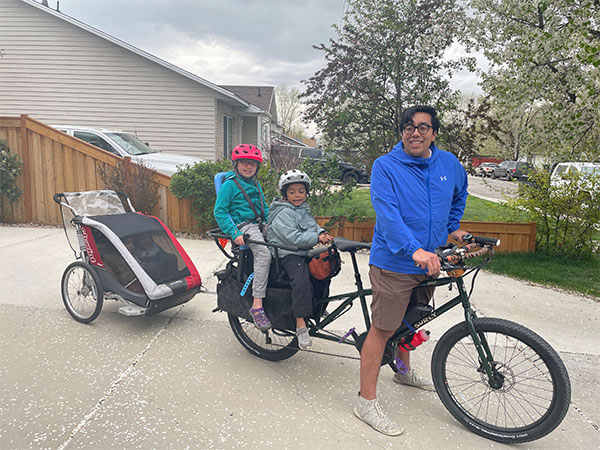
{"x":417,"y":202}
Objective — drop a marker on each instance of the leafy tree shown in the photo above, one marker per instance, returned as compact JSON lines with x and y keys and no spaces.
{"x":289,"y":110}
{"x":545,"y":70}
{"x":464,"y":128}
{"x":389,"y":55}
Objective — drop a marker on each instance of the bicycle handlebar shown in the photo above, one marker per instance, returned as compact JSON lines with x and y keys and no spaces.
{"x":316,"y":251}
{"x":452,"y":256}
{"x":482,"y":240}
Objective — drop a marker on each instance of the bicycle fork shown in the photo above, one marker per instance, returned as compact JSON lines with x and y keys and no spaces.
{"x":486,"y":359}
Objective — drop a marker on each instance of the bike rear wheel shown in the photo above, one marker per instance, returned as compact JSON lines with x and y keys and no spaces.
{"x":272,"y":345}
{"x":534,"y":392}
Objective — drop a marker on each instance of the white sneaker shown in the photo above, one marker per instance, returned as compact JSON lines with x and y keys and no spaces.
{"x":304,"y":340}
{"x":370,"y":412}
{"x":411,"y":378}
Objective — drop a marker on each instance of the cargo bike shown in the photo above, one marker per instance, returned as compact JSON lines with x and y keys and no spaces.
{"x":121,"y":255}
{"x":496,"y":377}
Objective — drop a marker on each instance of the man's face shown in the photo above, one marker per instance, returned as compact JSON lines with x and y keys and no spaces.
{"x":415,"y":143}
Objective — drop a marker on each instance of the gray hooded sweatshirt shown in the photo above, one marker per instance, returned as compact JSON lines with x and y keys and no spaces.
{"x":293,"y":227}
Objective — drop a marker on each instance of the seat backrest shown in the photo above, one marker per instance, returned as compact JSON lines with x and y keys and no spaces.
{"x":219,"y":179}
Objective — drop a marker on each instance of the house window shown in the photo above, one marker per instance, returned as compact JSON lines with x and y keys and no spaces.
{"x":227,"y":136}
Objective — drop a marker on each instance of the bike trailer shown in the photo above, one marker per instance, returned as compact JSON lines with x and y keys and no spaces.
{"x":125,"y":256}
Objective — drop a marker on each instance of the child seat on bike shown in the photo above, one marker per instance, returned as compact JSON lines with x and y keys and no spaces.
{"x":235,"y":280}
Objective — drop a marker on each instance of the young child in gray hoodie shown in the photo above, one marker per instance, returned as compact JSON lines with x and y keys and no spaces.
{"x":291,"y":224}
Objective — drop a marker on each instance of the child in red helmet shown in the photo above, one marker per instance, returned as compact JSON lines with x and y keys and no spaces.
{"x":241,"y":209}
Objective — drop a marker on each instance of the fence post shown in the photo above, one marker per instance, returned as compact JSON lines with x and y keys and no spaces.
{"x":26,"y":167}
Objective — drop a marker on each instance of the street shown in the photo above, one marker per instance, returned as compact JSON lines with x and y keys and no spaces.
{"x":494,"y":190}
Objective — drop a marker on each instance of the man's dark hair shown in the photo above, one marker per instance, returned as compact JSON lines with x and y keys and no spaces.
{"x":408,"y":114}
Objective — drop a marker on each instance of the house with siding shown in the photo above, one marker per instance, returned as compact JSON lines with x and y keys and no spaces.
{"x":59,"y":70}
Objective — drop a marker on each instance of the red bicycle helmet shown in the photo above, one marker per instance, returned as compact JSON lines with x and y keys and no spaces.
{"x":246,"y":151}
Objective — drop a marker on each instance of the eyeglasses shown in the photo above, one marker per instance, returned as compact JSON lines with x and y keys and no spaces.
{"x":423,"y":128}
{"x":249,"y":162}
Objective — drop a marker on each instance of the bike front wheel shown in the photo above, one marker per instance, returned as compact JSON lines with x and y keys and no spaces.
{"x":272,"y":345}
{"x":531,"y":391}
{"x":81,"y":291}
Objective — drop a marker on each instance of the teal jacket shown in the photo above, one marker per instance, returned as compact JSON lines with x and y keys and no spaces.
{"x":292,"y":226}
{"x":231,"y":207}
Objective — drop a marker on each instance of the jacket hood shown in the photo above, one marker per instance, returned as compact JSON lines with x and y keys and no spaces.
{"x":399,"y":154}
{"x":279,"y":205}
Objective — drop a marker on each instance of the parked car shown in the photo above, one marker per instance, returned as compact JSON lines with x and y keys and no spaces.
{"x":349,"y":173}
{"x":511,"y":170}
{"x":125,"y":144}
{"x":560,"y":172}
{"x":485,"y":169}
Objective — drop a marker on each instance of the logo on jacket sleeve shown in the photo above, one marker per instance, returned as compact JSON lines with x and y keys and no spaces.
{"x":443,"y":178}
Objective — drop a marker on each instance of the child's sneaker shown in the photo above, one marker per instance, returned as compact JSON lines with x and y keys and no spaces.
{"x":304,"y":341}
{"x":260,"y":319}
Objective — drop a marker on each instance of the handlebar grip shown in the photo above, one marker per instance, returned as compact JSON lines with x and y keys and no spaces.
{"x":316,"y":251}
{"x":493,"y":242}
{"x":57,"y":196}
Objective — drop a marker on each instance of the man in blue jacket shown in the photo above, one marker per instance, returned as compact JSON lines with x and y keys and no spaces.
{"x":419,"y":194}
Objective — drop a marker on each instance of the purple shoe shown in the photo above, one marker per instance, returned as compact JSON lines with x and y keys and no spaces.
{"x":260,"y":319}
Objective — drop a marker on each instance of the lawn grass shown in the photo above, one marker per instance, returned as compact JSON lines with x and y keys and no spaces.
{"x":359,"y":205}
{"x":559,"y":271}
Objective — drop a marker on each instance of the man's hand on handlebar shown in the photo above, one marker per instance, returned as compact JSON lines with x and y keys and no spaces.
{"x":427,"y":260}
{"x":458,"y":235}
{"x":239,"y":240}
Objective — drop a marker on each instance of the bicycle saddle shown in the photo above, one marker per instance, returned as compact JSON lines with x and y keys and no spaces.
{"x":346,"y":245}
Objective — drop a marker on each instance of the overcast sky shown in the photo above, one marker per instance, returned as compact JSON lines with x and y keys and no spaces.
{"x":251,"y":42}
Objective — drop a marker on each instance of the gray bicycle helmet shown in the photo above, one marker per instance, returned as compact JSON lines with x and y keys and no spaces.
{"x":291,"y":177}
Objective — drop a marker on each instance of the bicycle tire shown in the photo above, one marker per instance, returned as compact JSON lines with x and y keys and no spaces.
{"x":466,"y":393}
{"x":81,"y":291}
{"x":282,"y":346}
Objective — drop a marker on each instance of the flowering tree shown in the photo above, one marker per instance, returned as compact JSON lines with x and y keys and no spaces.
{"x":545,"y":63}
{"x":389,"y":55}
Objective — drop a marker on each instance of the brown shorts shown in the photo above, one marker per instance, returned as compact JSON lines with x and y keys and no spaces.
{"x":392,"y":292}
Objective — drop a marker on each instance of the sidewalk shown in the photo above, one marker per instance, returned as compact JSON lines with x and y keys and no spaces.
{"x":181,"y":380}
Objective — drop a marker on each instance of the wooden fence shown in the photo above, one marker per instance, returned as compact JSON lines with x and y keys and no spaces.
{"x":56,"y":162}
{"x":514,"y":237}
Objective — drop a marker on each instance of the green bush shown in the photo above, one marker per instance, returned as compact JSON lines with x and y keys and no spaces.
{"x":10,"y":169}
{"x":567,"y":215}
{"x":197,"y":184}
{"x":326,"y":196}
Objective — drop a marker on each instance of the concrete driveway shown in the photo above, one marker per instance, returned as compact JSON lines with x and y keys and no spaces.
{"x":181,"y":380}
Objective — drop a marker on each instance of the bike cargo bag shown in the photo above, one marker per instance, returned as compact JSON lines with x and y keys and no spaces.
{"x":277,"y":304}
